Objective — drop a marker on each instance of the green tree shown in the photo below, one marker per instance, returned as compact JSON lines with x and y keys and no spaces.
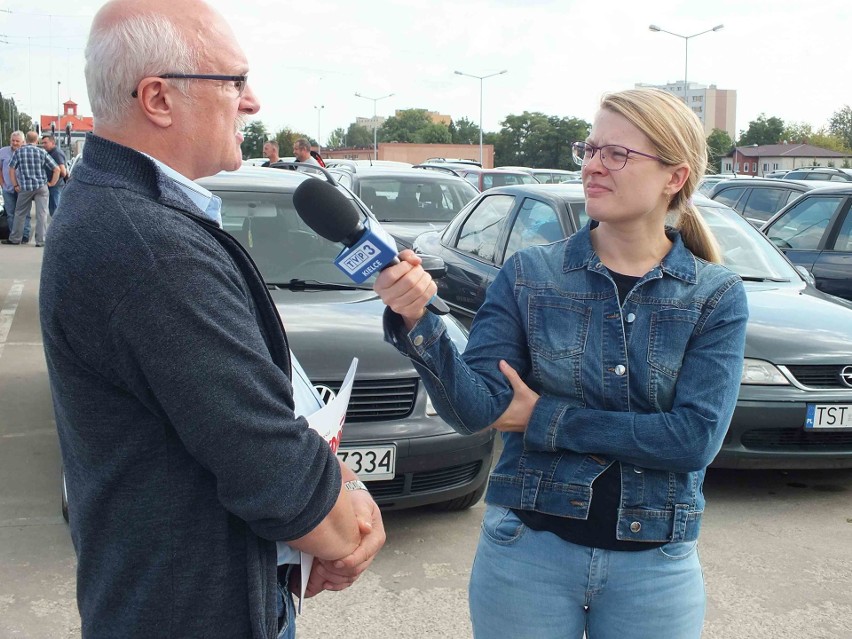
{"x":840,"y":125}
{"x":286,"y":137}
{"x":763,"y":130}
{"x":827,"y":140}
{"x":254,"y":135}
{"x":433,"y":133}
{"x":798,"y":133}
{"x":359,"y":137}
{"x":539,"y":141}
{"x":404,"y":126}
{"x":336,"y":138}
{"x":719,"y":144}
{"x":464,"y":131}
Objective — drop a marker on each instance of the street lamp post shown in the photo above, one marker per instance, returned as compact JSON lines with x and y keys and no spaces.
{"x":375,"y":128}
{"x":655,"y":28}
{"x":481,"y":78}
{"x":59,"y":104}
{"x":319,"y":113}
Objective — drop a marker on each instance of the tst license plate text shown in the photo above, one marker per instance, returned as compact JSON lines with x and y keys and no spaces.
{"x":829,"y":416}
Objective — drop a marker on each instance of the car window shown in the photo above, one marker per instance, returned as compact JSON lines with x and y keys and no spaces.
{"x":730,"y":196}
{"x":844,"y":238}
{"x":803,"y":226}
{"x":838,"y":178}
{"x":479,"y":233}
{"x":420,"y":198}
{"x":344,"y":177}
{"x":279,"y":242}
{"x":744,"y":249}
{"x":473,"y":178}
{"x":764,"y":203}
{"x":537,"y":223}
{"x":579,"y":209}
{"x":487,"y":181}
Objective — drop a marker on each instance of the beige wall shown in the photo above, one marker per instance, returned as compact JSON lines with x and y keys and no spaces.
{"x":417,"y":153}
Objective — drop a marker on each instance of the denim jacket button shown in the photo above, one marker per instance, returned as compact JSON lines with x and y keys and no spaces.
{"x":635,"y":527}
{"x":418,"y":340}
{"x":630,"y":318}
{"x":619,"y":370}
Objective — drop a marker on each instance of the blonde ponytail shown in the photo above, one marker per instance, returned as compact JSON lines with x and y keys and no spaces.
{"x":696,"y":234}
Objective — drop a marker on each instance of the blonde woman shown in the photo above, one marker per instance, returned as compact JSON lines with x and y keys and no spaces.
{"x":611,"y":362}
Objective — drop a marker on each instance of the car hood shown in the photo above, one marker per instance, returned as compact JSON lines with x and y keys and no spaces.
{"x":326,"y":329}
{"x":405,"y":232}
{"x":797,"y":325}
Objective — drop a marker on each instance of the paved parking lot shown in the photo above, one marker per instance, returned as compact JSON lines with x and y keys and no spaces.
{"x":776,"y":547}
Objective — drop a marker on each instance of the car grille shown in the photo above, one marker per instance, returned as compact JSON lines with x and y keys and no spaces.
{"x":378,"y":399}
{"x":819,"y":376}
{"x":797,"y":439}
{"x":426,"y":482}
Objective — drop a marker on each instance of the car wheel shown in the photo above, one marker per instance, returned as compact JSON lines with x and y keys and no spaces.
{"x":462,"y":503}
{"x":64,"y":498}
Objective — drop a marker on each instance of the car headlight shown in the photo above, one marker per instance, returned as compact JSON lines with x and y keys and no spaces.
{"x":756,"y":371}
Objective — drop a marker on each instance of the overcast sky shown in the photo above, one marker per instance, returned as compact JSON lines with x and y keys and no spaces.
{"x":786,"y":58}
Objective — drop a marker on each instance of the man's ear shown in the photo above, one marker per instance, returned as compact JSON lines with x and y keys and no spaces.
{"x":155,"y":99}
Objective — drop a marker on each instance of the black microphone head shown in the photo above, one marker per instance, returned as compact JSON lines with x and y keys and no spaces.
{"x":327,"y":211}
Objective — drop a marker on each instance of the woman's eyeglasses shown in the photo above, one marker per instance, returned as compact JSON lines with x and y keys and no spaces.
{"x":613,"y":156}
{"x":239,"y":81}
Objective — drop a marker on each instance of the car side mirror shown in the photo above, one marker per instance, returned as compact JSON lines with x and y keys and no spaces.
{"x":806,"y":274}
{"x":434,"y":265}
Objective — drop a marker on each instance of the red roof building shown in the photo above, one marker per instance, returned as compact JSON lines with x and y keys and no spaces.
{"x":79,"y":124}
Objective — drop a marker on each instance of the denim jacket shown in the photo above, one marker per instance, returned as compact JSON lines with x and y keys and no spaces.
{"x":651,"y":384}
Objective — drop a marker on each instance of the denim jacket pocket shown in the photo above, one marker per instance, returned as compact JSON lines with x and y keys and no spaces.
{"x":670,"y":332}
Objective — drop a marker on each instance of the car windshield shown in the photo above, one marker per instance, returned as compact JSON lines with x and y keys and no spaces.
{"x":418,"y":198}
{"x":745,"y":250}
{"x":280,"y":243}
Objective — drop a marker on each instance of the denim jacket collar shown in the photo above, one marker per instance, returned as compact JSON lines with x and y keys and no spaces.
{"x":679,"y":262}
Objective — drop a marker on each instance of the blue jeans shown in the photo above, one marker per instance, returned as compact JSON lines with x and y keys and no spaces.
{"x":287,"y":617}
{"x":55,"y":193}
{"x":530,"y":584}
{"x":10,"y":201}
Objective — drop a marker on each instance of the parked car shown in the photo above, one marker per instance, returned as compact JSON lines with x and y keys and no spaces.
{"x":759,"y":199}
{"x":393,"y":438}
{"x":827,"y":173}
{"x":484,"y":179}
{"x":778,"y":173}
{"x":815,"y":232}
{"x":354,"y":165}
{"x":705,"y":186}
{"x":547,"y":176}
{"x":797,"y":371}
{"x":407,"y":202}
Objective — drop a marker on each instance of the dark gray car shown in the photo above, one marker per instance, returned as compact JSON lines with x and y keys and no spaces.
{"x":759,"y":199}
{"x":795,"y":402}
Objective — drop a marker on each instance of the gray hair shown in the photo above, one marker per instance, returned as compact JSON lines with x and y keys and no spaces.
{"x":121,"y":54}
{"x":17,"y":134}
{"x":303,"y":143}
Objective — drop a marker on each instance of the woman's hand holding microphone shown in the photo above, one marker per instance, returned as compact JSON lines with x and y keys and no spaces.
{"x":406,"y":288}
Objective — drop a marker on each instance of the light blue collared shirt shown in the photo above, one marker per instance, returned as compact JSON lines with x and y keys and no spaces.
{"x":210,"y":205}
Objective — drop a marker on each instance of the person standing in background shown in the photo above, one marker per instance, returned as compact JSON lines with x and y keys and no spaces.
{"x":32,"y":172}
{"x":48,"y":143}
{"x":10,"y":195}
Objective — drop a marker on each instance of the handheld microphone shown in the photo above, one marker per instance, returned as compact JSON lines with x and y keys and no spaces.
{"x":369,"y":248}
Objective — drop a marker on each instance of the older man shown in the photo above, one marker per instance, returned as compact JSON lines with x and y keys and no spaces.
{"x":169,"y":366}
{"x":270,"y":152}
{"x":32,"y":172}
{"x":10,"y":195}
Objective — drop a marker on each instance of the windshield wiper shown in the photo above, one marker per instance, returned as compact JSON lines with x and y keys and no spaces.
{"x":304,"y":285}
{"x":758,"y":278}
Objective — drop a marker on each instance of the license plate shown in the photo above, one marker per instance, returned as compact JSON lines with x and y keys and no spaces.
{"x":829,"y":416}
{"x":370,"y":464}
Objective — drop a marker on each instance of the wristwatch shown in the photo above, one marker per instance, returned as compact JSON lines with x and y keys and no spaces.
{"x":355,"y":484}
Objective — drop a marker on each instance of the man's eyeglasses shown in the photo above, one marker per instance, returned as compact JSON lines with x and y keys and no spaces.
{"x":613,"y":156}
{"x":239,"y":81}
